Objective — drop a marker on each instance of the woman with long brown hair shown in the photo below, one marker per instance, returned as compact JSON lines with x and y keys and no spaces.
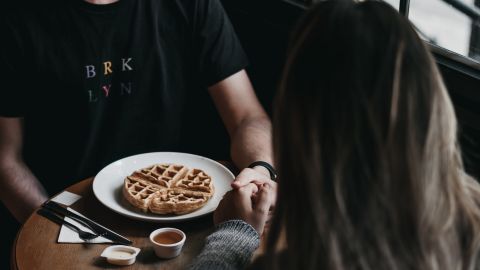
{"x":365,"y":139}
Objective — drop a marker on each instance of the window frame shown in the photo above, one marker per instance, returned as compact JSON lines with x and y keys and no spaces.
{"x":445,"y":56}
{"x":404,"y":7}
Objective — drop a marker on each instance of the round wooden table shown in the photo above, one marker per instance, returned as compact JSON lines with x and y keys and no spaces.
{"x":36,"y":245}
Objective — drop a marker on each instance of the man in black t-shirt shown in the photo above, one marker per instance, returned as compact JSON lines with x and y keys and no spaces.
{"x":84,"y":83}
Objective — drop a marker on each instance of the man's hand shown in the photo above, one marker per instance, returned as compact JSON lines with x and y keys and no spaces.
{"x":247,"y":176}
{"x":252,"y":176}
{"x":239,"y":204}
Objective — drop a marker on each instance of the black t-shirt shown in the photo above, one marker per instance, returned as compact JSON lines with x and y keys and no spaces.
{"x":96,"y":83}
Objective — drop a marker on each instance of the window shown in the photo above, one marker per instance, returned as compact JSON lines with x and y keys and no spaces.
{"x":448,"y":24}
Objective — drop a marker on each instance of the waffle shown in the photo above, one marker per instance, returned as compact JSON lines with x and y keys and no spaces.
{"x":168,"y":189}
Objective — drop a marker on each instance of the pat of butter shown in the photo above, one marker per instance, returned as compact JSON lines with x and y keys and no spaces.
{"x":120,"y":255}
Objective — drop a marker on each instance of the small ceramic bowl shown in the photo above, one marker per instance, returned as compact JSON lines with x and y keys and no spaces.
{"x":167,"y":242}
{"x":120,"y":255}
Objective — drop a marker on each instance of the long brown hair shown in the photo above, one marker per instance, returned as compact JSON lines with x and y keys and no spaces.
{"x":370,"y":174}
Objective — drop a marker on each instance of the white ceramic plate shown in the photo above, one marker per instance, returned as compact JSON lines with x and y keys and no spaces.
{"x":108,"y":183}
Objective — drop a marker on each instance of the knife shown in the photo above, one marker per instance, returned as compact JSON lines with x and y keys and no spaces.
{"x":56,"y":211}
{"x":106,"y":233}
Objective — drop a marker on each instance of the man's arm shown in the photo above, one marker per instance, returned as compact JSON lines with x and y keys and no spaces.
{"x":21,"y":192}
{"x":247,"y":123}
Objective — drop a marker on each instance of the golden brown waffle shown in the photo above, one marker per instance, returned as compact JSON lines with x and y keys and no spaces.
{"x":168,"y":189}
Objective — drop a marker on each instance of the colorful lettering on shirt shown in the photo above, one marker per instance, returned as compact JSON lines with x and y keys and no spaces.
{"x":92,"y":97}
{"x":124,"y":89}
{"x":106,"y":89}
{"x":125,"y":65}
{"x":108,"y":67}
{"x":90,"y":71}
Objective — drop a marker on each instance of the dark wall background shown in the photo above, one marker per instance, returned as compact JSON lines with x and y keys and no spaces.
{"x":463,"y":84}
{"x":263,"y":28}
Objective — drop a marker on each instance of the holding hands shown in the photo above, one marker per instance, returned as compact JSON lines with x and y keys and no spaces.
{"x":252,"y":198}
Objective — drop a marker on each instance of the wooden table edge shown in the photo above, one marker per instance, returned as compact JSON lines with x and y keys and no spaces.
{"x":13,"y":253}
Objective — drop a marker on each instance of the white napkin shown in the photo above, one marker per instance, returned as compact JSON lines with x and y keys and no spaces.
{"x":66,"y":198}
{"x":66,"y":234}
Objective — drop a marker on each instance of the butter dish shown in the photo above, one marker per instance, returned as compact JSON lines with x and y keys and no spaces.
{"x":120,"y":255}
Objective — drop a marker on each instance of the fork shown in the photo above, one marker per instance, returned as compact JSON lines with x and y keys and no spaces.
{"x":84,"y":235}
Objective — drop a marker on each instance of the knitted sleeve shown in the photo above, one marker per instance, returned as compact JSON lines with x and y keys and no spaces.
{"x":231,"y":246}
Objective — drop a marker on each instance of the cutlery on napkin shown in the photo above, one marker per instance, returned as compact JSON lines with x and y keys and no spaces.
{"x":67,"y":235}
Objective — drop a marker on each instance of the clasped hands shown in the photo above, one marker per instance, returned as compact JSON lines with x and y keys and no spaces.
{"x":252,"y":199}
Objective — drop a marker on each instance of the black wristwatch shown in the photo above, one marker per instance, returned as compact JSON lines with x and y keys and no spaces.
{"x":266,"y":165}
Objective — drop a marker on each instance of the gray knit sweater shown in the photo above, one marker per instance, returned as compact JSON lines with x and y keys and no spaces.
{"x":231,"y":246}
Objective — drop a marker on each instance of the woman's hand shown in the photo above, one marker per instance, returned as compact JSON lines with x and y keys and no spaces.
{"x":239,"y":204}
{"x":251,"y":176}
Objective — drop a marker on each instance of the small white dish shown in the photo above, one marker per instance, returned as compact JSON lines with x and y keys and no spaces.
{"x":173,"y":245}
{"x":120,"y":255}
